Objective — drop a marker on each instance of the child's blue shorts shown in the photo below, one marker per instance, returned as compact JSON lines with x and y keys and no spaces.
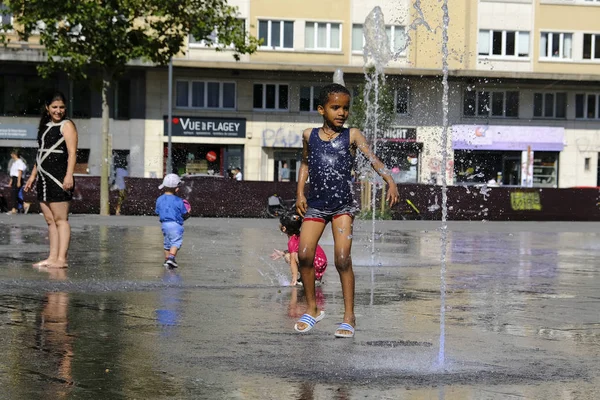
{"x":173,"y":233}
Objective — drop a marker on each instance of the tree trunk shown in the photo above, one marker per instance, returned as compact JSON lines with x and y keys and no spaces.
{"x":105,"y":156}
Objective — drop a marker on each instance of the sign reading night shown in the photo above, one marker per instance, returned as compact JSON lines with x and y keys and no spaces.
{"x":397,"y":134}
{"x":207,"y":127}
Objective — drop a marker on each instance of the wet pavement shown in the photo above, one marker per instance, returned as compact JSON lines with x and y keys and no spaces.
{"x":522,"y":314}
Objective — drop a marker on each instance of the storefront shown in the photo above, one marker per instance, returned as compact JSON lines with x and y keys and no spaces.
{"x":17,"y":136}
{"x":400,"y":152}
{"x":507,"y":155}
{"x":205,"y":157}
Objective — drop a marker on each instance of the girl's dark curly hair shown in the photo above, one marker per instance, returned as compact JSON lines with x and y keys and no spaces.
{"x":292,"y":223}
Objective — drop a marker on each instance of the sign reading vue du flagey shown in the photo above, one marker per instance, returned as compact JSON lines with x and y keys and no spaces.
{"x":207,"y":127}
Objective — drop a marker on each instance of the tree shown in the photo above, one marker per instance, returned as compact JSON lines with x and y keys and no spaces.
{"x":99,"y":38}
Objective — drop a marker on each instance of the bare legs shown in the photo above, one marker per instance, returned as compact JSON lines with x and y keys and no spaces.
{"x":172,"y":251}
{"x":309,"y":237}
{"x":59,"y":234}
{"x":342,"y":236}
{"x":342,"y":239}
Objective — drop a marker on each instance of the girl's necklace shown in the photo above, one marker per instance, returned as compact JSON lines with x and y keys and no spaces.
{"x":330,"y":135}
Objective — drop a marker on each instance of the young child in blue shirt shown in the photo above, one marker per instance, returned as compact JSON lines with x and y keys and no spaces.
{"x":172,"y":211}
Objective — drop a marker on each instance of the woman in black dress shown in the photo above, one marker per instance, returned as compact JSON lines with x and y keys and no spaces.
{"x":55,"y":164}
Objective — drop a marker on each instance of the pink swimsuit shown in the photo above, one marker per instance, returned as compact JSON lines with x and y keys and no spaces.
{"x":320,"y":257}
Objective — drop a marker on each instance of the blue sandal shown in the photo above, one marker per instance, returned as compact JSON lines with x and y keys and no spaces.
{"x":344,"y":327}
{"x":309,"y":320}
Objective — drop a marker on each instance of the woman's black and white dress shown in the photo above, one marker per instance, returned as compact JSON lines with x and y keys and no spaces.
{"x":52,"y":160}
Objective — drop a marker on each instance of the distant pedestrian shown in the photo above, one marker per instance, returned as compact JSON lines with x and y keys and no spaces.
{"x":172,"y":211}
{"x":237,"y":174}
{"x":55,"y":164}
{"x":17,"y":176}
{"x":284,"y":173}
{"x":120,"y":174}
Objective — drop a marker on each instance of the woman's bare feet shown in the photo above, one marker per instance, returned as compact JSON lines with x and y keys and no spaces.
{"x":58,"y":264}
{"x":44,"y":263}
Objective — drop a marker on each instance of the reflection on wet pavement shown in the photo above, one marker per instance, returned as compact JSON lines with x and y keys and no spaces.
{"x":521,"y":318}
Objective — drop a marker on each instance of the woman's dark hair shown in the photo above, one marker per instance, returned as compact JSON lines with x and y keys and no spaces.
{"x":16,"y":152}
{"x":331,"y":89}
{"x":291,"y":222}
{"x":45,"y":118}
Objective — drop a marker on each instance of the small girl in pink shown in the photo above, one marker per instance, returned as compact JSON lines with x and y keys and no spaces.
{"x":290,"y":225}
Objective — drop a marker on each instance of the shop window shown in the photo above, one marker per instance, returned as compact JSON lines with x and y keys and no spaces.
{"x":401,"y":100}
{"x":556,"y":45}
{"x":545,"y":169}
{"x":396,"y":35}
{"x":509,"y":44}
{"x":591,"y":46}
{"x":550,"y":105}
{"x":587,"y":106}
{"x":201,"y":94}
{"x":503,"y":104}
{"x":82,"y":160}
{"x":276,"y":34}
{"x":269,"y":96}
{"x":309,"y":98}
{"x":323,"y":36}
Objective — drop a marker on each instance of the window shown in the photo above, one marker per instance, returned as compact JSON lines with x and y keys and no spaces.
{"x":268,"y":96}
{"x":5,"y":18}
{"x":550,"y":105}
{"x":587,"y":106}
{"x":401,"y":100}
{"x":213,"y":36}
{"x":556,"y":45}
{"x":309,"y":98}
{"x":491,"y":103}
{"x":121,"y":105}
{"x":503,"y":43}
{"x":323,"y":36}
{"x":396,"y":35}
{"x":24,"y":94}
{"x":200,"y":94}
{"x":276,"y":34}
{"x":591,"y":46}
{"x":81,"y":101}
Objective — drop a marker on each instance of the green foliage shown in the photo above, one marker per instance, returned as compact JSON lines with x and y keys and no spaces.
{"x":385,"y":110}
{"x":108,"y":34}
{"x":368,"y":214}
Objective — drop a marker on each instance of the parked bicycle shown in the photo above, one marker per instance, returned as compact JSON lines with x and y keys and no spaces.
{"x":276,"y":206}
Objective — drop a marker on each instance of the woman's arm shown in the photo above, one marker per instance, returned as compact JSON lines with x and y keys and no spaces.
{"x":358,"y":139}
{"x":301,"y":205}
{"x":31,"y":179}
{"x":70,"y":135}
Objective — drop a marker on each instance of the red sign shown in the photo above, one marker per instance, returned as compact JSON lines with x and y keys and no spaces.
{"x":211,"y":156}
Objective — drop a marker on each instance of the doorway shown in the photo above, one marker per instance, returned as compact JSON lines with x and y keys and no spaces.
{"x":289,"y":160}
{"x":511,"y":168}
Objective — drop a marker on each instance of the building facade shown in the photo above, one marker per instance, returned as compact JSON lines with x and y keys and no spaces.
{"x":524,"y":95}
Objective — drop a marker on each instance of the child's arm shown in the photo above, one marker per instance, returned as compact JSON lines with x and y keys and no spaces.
{"x":301,"y":205}
{"x":358,"y":139}
{"x":293,"y":260}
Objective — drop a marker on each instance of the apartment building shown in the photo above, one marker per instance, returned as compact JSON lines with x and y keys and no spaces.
{"x":524,"y":98}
